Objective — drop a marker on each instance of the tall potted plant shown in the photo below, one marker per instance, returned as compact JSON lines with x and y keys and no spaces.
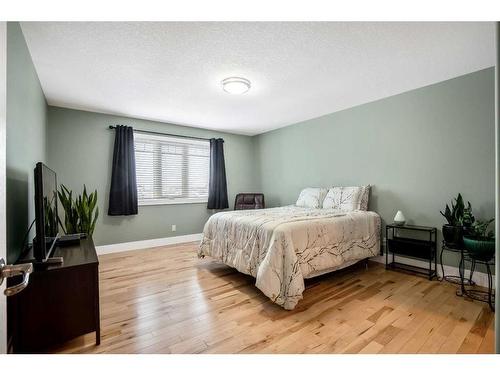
{"x":85,"y":206}
{"x":453,"y":231}
{"x":80,"y":213}
{"x":70,"y":212}
{"x":479,"y":241}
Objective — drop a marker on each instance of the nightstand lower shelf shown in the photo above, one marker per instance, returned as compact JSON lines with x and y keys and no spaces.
{"x":413,"y":269}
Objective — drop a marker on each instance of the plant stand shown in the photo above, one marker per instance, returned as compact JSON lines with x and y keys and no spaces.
{"x":474,"y":293}
{"x":455,"y":279}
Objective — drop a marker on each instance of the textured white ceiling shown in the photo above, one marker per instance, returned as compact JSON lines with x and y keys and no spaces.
{"x":171,"y":71}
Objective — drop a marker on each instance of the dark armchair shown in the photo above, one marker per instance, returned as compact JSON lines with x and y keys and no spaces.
{"x":249,"y":201}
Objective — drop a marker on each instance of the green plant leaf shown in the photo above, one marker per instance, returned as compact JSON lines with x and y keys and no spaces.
{"x":70,"y":218}
{"x":80,"y":213}
{"x":480,"y":229}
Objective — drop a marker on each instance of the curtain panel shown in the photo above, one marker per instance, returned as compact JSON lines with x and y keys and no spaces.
{"x":217,"y":186}
{"x":123,"y":191}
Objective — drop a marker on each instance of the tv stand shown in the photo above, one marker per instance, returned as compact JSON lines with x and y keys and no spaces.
{"x":61,"y":301}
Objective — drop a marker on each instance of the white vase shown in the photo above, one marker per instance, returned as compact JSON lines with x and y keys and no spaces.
{"x":399,"y":219}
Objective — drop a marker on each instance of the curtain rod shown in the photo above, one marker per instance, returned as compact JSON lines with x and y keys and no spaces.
{"x":158,"y":133}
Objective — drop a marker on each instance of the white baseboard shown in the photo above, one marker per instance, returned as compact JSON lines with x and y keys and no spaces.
{"x":136,"y":245}
{"x":479,"y":278}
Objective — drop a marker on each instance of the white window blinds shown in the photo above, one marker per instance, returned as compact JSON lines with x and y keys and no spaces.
{"x":171,"y":169}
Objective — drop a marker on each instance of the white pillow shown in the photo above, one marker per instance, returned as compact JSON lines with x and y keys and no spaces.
{"x":344,"y":198}
{"x":311,"y":197}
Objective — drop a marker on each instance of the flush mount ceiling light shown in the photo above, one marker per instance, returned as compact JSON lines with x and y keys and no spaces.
{"x":236,"y":85}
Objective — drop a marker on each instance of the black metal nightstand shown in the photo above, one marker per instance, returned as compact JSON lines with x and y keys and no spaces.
{"x":400,"y":243}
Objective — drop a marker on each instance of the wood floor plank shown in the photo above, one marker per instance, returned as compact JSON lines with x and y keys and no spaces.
{"x":477,"y":333}
{"x":166,"y":300}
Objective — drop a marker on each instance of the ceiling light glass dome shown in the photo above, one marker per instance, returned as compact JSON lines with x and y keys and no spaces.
{"x":236,"y":85}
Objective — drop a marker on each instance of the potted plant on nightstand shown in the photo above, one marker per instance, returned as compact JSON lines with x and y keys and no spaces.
{"x":453,"y":231}
{"x":479,"y":242}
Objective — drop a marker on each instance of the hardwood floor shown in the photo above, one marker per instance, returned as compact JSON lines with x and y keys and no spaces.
{"x":166,"y":300}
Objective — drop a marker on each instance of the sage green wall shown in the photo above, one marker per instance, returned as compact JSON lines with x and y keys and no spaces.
{"x":26,"y":130}
{"x":418,"y":150}
{"x":80,"y":150}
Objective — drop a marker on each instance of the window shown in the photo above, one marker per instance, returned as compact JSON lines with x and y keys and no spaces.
{"x":171,"y":169}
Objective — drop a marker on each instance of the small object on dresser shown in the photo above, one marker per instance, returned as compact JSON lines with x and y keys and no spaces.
{"x":399,"y":219}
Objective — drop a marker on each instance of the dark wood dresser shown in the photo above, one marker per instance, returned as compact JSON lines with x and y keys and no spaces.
{"x":60,"y":302}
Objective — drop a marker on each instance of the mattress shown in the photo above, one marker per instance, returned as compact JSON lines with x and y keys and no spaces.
{"x":282,"y":246}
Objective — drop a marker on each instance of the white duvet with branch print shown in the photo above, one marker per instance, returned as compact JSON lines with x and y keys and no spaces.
{"x":282,"y":246}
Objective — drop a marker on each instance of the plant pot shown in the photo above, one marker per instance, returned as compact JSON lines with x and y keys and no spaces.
{"x":466,"y":231}
{"x":453,"y":235}
{"x":481,"y":248}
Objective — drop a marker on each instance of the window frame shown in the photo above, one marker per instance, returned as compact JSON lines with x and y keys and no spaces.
{"x":185,"y":179}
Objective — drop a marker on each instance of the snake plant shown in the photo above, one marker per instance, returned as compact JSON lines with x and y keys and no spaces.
{"x":455,"y":215}
{"x":70,"y":213}
{"x":81,"y":213}
{"x":85,"y":205}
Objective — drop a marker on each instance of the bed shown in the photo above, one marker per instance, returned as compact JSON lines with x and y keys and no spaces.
{"x":282,"y":246}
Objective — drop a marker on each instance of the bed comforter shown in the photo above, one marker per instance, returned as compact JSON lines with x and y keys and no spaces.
{"x":282,"y":246}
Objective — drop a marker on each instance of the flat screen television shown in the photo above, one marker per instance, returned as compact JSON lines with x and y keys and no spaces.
{"x":46,"y":222}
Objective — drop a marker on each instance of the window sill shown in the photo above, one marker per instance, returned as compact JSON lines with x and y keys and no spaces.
{"x":160,"y":202}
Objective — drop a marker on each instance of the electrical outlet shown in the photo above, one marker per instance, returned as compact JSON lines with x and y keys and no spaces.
{"x":174,"y":227}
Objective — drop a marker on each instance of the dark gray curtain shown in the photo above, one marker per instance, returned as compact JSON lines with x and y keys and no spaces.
{"x":123,"y":192}
{"x":217,"y":186}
